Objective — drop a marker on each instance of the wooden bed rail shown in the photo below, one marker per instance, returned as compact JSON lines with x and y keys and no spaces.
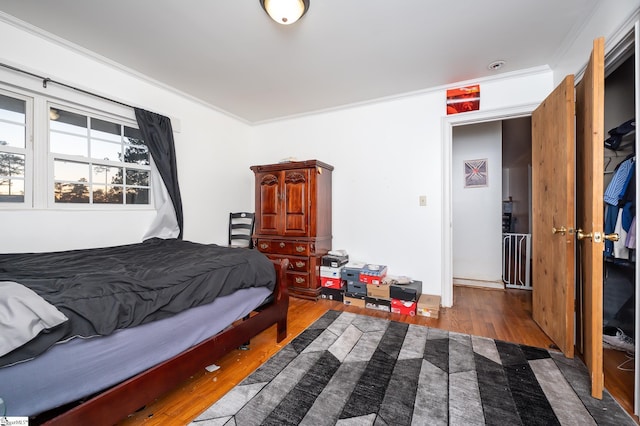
{"x":116,"y":403}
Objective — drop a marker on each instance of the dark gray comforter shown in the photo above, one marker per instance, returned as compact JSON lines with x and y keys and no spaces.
{"x":106,"y":289}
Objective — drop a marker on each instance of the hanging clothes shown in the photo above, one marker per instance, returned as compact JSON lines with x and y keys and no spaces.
{"x":619,"y":212}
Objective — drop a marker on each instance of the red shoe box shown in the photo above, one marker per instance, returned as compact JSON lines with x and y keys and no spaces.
{"x":331,"y":282}
{"x":403,"y":307}
{"x":373,"y":274}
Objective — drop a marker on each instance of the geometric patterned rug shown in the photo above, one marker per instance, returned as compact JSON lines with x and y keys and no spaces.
{"x":349,"y":369}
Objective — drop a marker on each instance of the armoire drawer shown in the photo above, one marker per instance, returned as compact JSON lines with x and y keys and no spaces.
{"x":283,"y":247}
{"x":298,"y":279}
{"x":296,"y":263}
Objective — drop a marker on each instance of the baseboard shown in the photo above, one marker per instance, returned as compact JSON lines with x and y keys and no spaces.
{"x":478,"y":283}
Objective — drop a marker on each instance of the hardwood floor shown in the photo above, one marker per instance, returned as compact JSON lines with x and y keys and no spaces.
{"x":498,"y":314}
{"x":619,"y":376}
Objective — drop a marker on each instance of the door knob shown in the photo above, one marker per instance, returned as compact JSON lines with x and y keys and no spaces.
{"x":581,"y":235}
{"x":612,"y":237}
{"x":562,"y":230}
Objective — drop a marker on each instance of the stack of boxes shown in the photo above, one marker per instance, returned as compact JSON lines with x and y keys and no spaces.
{"x":404,"y":297}
{"x":368,"y":286}
{"x":332,"y":285}
{"x":355,"y":291}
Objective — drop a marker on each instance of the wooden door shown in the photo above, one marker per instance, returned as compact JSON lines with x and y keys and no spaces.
{"x":553,"y":242}
{"x":589,"y":214}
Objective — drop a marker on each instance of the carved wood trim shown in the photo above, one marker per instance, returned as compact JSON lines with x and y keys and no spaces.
{"x":295,"y":177}
{"x":269,"y":180}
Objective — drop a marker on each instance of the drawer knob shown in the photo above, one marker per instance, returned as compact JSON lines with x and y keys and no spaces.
{"x":299,"y":249}
{"x":300,"y":264}
{"x":282,"y":245}
{"x":299,"y":280}
{"x":264,"y":246}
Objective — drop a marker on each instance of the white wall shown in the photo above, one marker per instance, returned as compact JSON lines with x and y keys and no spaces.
{"x":477,"y":211}
{"x":211,"y":151}
{"x":385,"y":156}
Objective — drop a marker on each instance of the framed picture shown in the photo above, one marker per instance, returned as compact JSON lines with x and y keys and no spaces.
{"x":475,"y":173}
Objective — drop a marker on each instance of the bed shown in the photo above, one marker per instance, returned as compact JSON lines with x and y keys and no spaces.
{"x":138,"y":320}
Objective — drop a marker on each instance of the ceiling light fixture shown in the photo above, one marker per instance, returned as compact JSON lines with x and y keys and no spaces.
{"x":285,"y":12}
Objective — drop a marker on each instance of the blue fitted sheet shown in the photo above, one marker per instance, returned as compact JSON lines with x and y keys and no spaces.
{"x":80,"y":367}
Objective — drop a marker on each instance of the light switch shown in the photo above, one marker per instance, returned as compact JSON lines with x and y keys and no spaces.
{"x":423,"y":200}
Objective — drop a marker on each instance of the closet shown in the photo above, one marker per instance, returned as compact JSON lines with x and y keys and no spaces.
{"x":619,"y":289}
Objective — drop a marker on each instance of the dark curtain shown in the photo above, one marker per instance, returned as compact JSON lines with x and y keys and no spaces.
{"x":158,"y":135}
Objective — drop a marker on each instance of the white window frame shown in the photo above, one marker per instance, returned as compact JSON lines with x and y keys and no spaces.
{"x":51,"y":203}
{"x":39,"y":182}
{"x":27,"y":151}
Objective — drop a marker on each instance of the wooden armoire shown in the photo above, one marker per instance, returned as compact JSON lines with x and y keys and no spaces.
{"x":293,"y":219}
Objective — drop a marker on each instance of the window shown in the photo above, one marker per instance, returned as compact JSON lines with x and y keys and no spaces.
{"x":13,"y":149}
{"x":55,"y":155}
{"x":96,"y":160}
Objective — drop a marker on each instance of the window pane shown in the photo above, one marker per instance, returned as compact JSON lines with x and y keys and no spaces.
{"x":71,"y":193}
{"x":107,"y":194}
{"x":105,"y":130}
{"x":12,"y":134}
{"x":137,"y":178}
{"x":11,"y":164}
{"x":133,"y":136}
{"x":106,"y":150}
{"x":137,"y":196}
{"x":70,"y":171}
{"x":67,"y":144}
{"x":11,"y":190}
{"x":12,"y":109}
{"x":65,"y":121}
{"x":136,"y":155}
{"x":106,"y":175}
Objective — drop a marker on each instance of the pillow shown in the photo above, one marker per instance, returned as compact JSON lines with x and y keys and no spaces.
{"x":23,"y":315}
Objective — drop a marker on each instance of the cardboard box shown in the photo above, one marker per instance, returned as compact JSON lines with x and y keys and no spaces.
{"x":403,"y":307}
{"x":373,"y":274}
{"x":330,"y":272}
{"x":331,"y":282}
{"x":377,"y":304}
{"x":429,"y":306}
{"x":410,"y":292}
{"x":379,"y":291}
{"x":354,"y":300}
{"x":336,"y":294}
{"x":357,"y":287}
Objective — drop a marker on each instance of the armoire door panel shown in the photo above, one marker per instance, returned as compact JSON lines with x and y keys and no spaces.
{"x":296,"y":195}
{"x":270,"y":204}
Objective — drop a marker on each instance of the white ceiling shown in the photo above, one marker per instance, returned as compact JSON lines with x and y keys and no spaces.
{"x":230,"y":55}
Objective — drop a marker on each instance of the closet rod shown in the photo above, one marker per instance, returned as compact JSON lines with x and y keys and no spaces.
{"x":47,"y":80}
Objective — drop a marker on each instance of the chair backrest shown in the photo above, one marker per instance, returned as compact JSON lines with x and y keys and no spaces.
{"x":241,"y":229}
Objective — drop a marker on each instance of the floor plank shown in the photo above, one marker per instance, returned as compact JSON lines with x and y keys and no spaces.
{"x":498,"y":314}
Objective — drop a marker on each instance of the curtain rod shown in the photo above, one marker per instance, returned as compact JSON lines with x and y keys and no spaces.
{"x":47,"y":80}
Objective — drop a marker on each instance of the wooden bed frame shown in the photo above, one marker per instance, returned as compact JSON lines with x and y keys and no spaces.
{"x":118,"y":402}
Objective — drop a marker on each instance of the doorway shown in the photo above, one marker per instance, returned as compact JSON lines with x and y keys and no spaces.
{"x":448,"y":125}
{"x":491,"y":164}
